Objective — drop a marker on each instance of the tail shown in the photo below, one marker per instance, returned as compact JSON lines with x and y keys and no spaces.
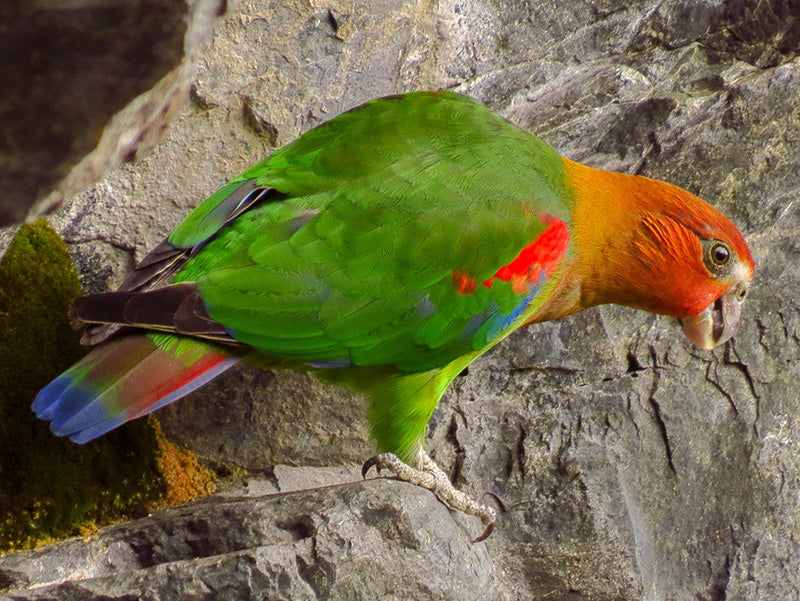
{"x":124,"y":378}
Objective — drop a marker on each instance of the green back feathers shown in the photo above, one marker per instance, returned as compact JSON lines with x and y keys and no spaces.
{"x":381,"y":248}
{"x":380,"y":208}
{"x":424,"y":137}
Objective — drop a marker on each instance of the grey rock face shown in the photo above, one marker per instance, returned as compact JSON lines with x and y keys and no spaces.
{"x":313,"y":544}
{"x":624,"y":463}
{"x":67,"y":69}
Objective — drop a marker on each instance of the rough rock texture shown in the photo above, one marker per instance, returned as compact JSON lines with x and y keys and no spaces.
{"x":625,"y":464}
{"x":67,"y":68}
{"x":364,"y":540}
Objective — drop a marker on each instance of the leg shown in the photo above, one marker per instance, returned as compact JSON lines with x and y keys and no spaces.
{"x":433,"y":478}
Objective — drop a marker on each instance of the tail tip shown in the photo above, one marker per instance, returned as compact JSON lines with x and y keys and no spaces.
{"x":70,"y":410}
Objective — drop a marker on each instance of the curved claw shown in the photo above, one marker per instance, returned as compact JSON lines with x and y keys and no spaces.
{"x":369,"y":463}
{"x":377,"y":461}
{"x":487,"y":531}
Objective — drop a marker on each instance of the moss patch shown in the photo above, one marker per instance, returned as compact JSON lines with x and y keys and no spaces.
{"x":185,"y":478}
{"x":51,"y":488}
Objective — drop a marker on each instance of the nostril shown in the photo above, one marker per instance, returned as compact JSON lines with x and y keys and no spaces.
{"x":742,"y":293}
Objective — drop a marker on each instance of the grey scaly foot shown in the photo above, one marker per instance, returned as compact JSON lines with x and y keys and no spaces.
{"x":433,"y":478}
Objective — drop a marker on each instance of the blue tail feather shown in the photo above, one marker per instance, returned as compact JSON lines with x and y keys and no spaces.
{"x":123,"y":379}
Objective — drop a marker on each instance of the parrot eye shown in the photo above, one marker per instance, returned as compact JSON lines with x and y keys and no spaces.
{"x":717,"y":257}
{"x":720,"y":254}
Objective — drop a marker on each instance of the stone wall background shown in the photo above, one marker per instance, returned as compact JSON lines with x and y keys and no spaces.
{"x":624,"y":463}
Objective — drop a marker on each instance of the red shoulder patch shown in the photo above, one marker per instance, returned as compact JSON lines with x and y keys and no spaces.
{"x":541,"y":255}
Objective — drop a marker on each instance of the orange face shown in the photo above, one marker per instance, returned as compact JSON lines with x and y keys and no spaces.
{"x":700,"y":271}
{"x":653,"y":246}
{"x":686,"y":265}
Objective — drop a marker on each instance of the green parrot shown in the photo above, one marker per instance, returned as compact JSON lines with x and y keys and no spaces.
{"x":386,"y":250}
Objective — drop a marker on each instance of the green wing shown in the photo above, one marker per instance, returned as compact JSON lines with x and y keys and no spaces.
{"x":396,"y":242}
{"x":392,"y":220}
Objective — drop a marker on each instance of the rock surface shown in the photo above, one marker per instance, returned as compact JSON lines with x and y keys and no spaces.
{"x":624,"y":463}
{"x":364,"y":540}
{"x":68,"y":68}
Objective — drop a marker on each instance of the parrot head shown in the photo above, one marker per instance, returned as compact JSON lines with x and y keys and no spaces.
{"x":693,"y":264}
{"x":657,"y":247}
{"x":732,"y":272}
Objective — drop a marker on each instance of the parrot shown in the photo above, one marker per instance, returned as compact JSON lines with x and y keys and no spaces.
{"x":385,"y":250}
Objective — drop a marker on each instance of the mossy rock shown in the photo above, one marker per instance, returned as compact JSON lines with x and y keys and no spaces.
{"x":51,"y":488}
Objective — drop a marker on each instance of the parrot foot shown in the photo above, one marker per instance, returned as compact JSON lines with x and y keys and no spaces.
{"x":433,"y":478}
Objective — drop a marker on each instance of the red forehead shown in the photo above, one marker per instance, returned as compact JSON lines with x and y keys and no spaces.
{"x":693,"y":213}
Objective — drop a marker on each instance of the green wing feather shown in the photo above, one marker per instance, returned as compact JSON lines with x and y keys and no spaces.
{"x":380,"y":211}
{"x":380,"y":207}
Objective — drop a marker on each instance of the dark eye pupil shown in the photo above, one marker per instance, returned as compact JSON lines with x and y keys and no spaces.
{"x":720,"y":254}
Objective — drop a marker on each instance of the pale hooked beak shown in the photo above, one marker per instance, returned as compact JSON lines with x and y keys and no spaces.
{"x":719,"y":321}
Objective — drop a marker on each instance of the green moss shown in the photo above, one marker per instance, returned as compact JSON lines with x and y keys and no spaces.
{"x":49,"y":487}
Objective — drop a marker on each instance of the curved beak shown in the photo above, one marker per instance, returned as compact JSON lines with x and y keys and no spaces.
{"x":719,"y":321}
